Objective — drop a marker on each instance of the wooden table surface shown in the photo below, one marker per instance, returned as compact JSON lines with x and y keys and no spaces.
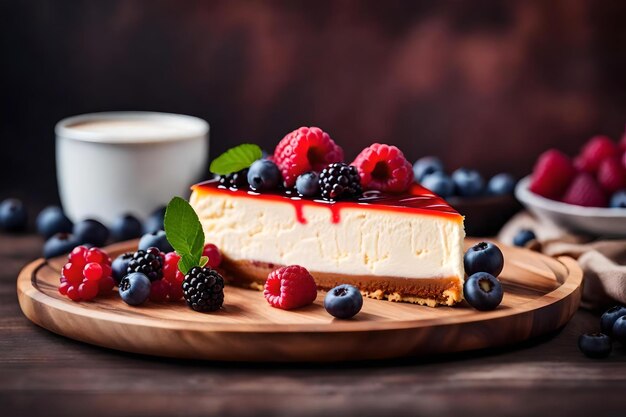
{"x":45,"y":374}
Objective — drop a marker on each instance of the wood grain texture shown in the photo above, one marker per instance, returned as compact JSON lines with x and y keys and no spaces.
{"x":541,"y":295}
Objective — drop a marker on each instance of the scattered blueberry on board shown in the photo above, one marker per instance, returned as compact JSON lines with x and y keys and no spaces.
{"x":501,"y":184}
{"x":59,"y":244}
{"x":523,"y":237}
{"x":483,"y":291}
{"x":155,"y":239}
{"x":440,"y":184}
{"x":51,"y":221}
{"x":120,"y":266}
{"x":135,"y":288}
{"x":484,"y":257}
{"x":343,"y":301}
{"x":595,"y":345}
{"x":468,"y":182}
{"x":155,"y":221}
{"x":126,"y":227}
{"x":91,"y":231}
{"x":263,"y":174}
{"x":13,"y":215}
{"x":609,"y":318}
{"x":307,"y":184}
{"x":426,"y":166}
{"x":619,"y":330}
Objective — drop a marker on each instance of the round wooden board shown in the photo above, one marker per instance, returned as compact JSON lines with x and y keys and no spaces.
{"x":541,"y":295}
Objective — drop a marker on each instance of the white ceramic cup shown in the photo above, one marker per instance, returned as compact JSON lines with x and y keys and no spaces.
{"x":114,"y":163}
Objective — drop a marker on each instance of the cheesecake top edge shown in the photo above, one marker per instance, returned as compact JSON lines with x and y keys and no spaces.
{"x":417,"y":200}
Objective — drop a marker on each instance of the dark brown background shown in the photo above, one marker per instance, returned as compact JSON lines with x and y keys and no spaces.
{"x":488,"y":84}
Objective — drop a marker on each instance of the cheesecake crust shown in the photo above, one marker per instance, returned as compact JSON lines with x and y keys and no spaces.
{"x":424,"y":291}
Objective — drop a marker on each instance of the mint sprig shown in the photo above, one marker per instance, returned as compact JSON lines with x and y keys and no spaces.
{"x":184,"y":232}
{"x":235,"y":159}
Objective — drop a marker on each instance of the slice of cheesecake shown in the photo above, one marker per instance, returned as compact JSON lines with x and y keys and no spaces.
{"x":397,"y":247}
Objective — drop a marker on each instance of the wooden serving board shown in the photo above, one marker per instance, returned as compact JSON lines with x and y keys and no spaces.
{"x":541,"y":295}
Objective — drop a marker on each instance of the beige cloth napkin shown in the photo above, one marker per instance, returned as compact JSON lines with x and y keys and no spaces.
{"x":602,"y":260}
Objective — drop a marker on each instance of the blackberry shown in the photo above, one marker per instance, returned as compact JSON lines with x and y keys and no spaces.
{"x":203,"y":289}
{"x":148,"y":262}
{"x":340,"y":181}
{"x":237,"y":179}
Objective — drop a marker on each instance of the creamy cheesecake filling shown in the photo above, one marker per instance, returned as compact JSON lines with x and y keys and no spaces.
{"x":364,"y":242}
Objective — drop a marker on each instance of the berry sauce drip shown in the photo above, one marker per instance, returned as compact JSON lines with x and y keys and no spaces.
{"x":417,"y":200}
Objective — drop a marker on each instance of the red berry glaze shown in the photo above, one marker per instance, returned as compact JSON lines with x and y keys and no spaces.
{"x":612,"y":175}
{"x":585,"y":191}
{"x":290,"y":287}
{"x":594,"y":152}
{"x":213,"y":253}
{"x":384,"y":167}
{"x":305,"y":149}
{"x":552,"y":174}
{"x":92,"y":271}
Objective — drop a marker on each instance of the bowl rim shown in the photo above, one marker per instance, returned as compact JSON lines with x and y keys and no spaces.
{"x":528,"y":198}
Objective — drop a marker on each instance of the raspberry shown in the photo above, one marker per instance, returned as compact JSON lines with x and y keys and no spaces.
{"x":73,"y":273}
{"x":290,"y":287}
{"x":77,"y":256}
{"x":594,"y":152}
{"x":611,"y":175}
{"x":63,"y":287}
{"x":159,"y":290}
{"x":203,"y":289}
{"x":88,"y":290}
{"x":72,"y":293}
{"x":384,"y":167}
{"x":213,"y":253}
{"x":170,"y":268}
{"x":97,"y":255}
{"x":340,"y":181}
{"x":92,"y":271}
{"x":552,"y":174}
{"x":305,"y":149}
{"x":585,"y":191}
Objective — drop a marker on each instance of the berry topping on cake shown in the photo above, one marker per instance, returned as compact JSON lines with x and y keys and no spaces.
{"x":307,"y":184}
{"x":290,"y":287}
{"x":384,"y":167}
{"x":343,"y":301}
{"x":263,"y":175}
{"x":148,"y":262}
{"x":340,"y":181}
{"x":611,"y":175}
{"x":203,"y":289}
{"x":305,"y":149}
{"x":594,"y":152}
{"x":585,"y":191}
{"x":237,"y":179}
{"x":552,"y":174}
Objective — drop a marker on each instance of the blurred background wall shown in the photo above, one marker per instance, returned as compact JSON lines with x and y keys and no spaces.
{"x":485,"y":84}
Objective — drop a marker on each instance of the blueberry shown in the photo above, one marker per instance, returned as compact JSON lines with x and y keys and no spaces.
{"x":91,"y":231}
{"x":51,"y":221}
{"x":155,"y":221}
{"x":619,"y":330}
{"x":501,"y":184}
{"x":263,"y":175}
{"x":523,"y":237}
{"x":609,"y":318}
{"x":440,"y":184}
{"x":618,"y":200}
{"x":308,"y":184}
{"x":126,"y":227}
{"x":120,"y":265}
{"x":135,"y":288}
{"x":483,"y":291}
{"x":59,"y":244}
{"x":343,"y":301}
{"x":484,"y":257}
{"x":468,"y":182}
{"x":13,"y":216}
{"x":595,"y":345}
{"x":157,"y":240}
{"x":426,"y":166}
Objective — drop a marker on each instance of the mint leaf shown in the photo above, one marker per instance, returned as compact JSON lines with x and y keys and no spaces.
{"x":204,"y":260}
{"x":235,"y":159}
{"x":184,"y":232}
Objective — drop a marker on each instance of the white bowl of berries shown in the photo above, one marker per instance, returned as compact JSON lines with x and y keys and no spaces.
{"x":586,"y":195}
